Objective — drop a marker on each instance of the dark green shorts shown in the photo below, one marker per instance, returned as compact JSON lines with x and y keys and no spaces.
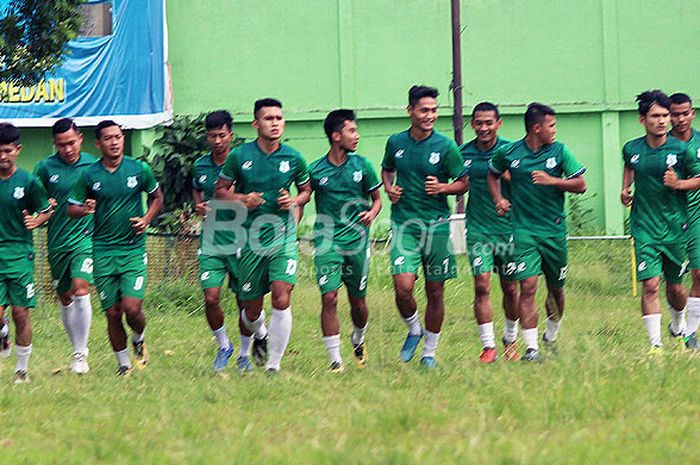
{"x":257,"y":270}
{"x":693,"y":239}
{"x":494,"y":253}
{"x":120,"y":274}
{"x":654,"y":259}
{"x":214,"y":269}
{"x":17,"y":283}
{"x":69,"y":265}
{"x":537,"y":255}
{"x":336,"y":267}
{"x":431,"y":250}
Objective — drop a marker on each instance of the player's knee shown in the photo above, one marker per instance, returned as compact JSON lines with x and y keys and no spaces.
{"x":482,"y":288}
{"x":510,"y":288}
{"x":404,"y":293}
{"x":211,"y":301}
{"x":281,"y":301}
{"x":20,"y":316}
{"x":434,"y":291}
{"x":696,"y":277}
{"x":528,"y":288}
{"x":114,"y":312}
{"x":330,"y":301}
{"x":66,"y":298}
{"x":650,"y":287}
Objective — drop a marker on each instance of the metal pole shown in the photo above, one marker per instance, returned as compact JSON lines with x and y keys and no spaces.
{"x":457,"y":118}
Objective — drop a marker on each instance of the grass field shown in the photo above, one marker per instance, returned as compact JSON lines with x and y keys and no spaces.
{"x":602,"y":400}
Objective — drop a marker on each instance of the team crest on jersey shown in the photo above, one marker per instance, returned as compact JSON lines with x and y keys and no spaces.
{"x":247,"y":165}
{"x":284,"y":166}
{"x":467,"y":163}
{"x":203,"y":179}
{"x":634,"y":159}
{"x":323,"y":280}
{"x":53,"y":179}
{"x":550,"y":163}
{"x":131,"y":182}
{"x":18,"y":193}
{"x":247,"y":287}
{"x":400,"y":260}
{"x":399,"y":153}
{"x":515,"y":163}
{"x":434,"y":158}
{"x":357,"y":176}
{"x":671,"y":159}
{"x":323,"y":181}
{"x":97,"y":186}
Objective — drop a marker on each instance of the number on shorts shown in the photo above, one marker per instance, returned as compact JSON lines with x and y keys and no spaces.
{"x":363,"y":282}
{"x":30,"y":290}
{"x":291,"y":266}
{"x":562,"y":272}
{"x":86,"y":266}
{"x":446,"y":265}
{"x":138,"y":284}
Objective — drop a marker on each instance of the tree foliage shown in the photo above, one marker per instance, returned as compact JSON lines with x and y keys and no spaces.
{"x":34,"y":37}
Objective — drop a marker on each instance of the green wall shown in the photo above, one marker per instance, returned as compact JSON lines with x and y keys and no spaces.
{"x":587,"y":58}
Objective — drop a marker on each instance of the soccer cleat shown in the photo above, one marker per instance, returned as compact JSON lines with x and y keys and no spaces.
{"x":488,"y":355}
{"x":691,"y":342}
{"x":79,"y":365}
{"x":260,"y":351}
{"x":656,"y":350}
{"x":531,"y":355}
{"x":244,"y":365}
{"x":409,"y":347}
{"x":5,"y":346}
{"x":124,"y":371}
{"x":140,"y":354}
{"x":428,"y":362}
{"x":510,"y":350}
{"x":271,"y":371}
{"x":360,"y":353}
{"x":21,"y":376}
{"x":336,"y":367}
{"x":221,"y":359}
{"x":551,"y":346}
{"x":674,"y":334}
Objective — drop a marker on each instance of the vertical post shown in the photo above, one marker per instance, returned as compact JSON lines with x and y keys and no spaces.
{"x":457,"y":118}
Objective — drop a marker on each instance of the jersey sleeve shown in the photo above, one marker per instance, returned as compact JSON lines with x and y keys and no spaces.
{"x":691,"y":165}
{"x":229,"y":172}
{"x":38,"y":198}
{"x":570,"y":166}
{"x":454,"y":162}
{"x":388,"y":160}
{"x":40,"y":173}
{"x":148,"y":180}
{"x":79,"y":193}
{"x":195,"y":179}
{"x":626,"y":156}
{"x":498,"y":164}
{"x":370,"y":180}
{"x":301,"y":176}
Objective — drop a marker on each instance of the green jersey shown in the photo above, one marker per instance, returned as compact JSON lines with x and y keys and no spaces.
{"x":537,"y":210}
{"x":117,"y":197}
{"x":341,"y":195}
{"x":659,"y":214}
{"x":58,"y":178}
{"x":253,"y":170}
{"x":694,"y":196}
{"x":481,"y":216}
{"x":413,"y":161}
{"x":205,"y":172}
{"x":21,"y":191}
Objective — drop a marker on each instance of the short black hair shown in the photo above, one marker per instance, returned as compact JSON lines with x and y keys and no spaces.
{"x":416,"y":93}
{"x":64,"y":125}
{"x":679,"y":98}
{"x":647,"y":99}
{"x":108,"y":123}
{"x":536,"y":113}
{"x":335,"y":121}
{"x":486,"y":106}
{"x":9,"y":134}
{"x":265,"y":102}
{"x":216,"y":119}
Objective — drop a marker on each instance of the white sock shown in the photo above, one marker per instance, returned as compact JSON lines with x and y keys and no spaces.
{"x":430,"y":344}
{"x":222,"y":337}
{"x":358,"y":335}
{"x":138,"y":337}
{"x":81,"y":319}
{"x":5,"y":330}
{"x":653,"y":324}
{"x":693,"y":315}
{"x":332,"y":344}
{"x":678,"y":323}
{"x":66,"y":314}
{"x":123,"y":357}
{"x":279,"y":332}
{"x":510,"y":332}
{"x":552,"y":329}
{"x":245,"y":346}
{"x":530,"y":338}
{"x":413,"y":323}
{"x":258,"y":326}
{"x":23,"y":353}
{"x":488,"y":338}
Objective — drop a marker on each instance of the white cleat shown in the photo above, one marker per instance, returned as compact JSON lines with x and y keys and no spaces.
{"x":79,"y":365}
{"x":21,"y":377}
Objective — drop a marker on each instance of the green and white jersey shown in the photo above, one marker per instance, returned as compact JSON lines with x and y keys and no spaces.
{"x":117,"y":197}
{"x":58,"y":178}
{"x":21,"y":191}
{"x":536,"y":210}
{"x":253,"y":170}
{"x":413,"y":161}
{"x":694,"y":196}
{"x":659,"y":214}
{"x":341,"y":194}
{"x":481,"y":216}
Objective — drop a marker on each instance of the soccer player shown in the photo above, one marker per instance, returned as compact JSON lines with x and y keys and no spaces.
{"x":541,"y":170}
{"x":659,"y":219}
{"x":69,"y":240}
{"x":261,"y":173}
{"x":111,"y":189}
{"x":682,"y":116}
{"x":421,"y":161}
{"x":489,"y":236}
{"x":214,"y":267}
{"x":21,"y":195}
{"x":342,"y":182}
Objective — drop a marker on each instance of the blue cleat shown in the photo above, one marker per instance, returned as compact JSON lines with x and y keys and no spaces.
{"x":691,"y":342}
{"x":428,"y":362}
{"x":409,"y":347}
{"x":531,"y":355}
{"x":221,"y":359}
{"x":244,"y":365}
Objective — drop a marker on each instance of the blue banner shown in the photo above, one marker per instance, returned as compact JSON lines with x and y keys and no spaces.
{"x":122,"y":76}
